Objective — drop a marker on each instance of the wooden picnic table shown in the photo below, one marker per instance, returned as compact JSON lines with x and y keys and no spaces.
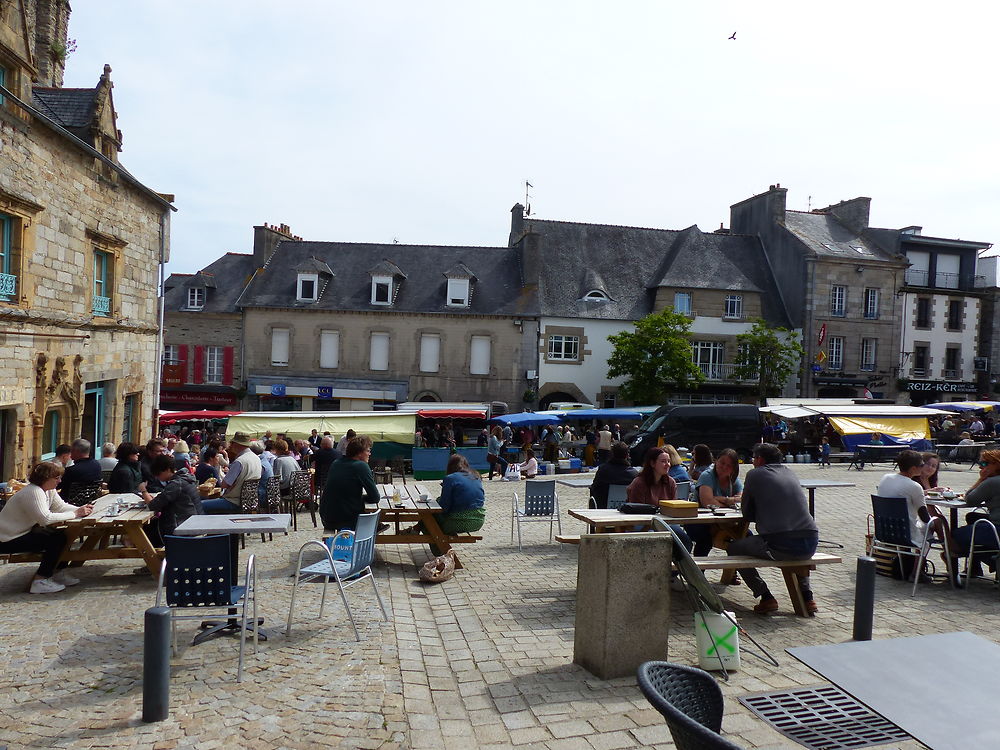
{"x":94,"y":532}
{"x":411,"y":511}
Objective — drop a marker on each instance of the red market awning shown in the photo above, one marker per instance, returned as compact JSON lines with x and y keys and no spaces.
{"x":452,"y":414}
{"x":194,"y":416}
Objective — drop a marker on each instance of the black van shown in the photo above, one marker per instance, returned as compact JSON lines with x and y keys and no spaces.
{"x":719,"y":426}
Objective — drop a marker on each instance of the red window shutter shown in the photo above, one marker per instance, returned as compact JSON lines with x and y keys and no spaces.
{"x":227,"y":365}
{"x":199,"y":364}
{"x":182,"y":355}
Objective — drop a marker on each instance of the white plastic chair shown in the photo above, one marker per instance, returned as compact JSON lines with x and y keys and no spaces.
{"x":541,"y":504}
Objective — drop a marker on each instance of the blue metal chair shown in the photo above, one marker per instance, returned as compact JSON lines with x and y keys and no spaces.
{"x":541,"y":504}
{"x":346,"y":572}
{"x":691,"y":702}
{"x":617,"y":496}
{"x":983,"y":551}
{"x":198,"y":576}
{"x":892,"y":535}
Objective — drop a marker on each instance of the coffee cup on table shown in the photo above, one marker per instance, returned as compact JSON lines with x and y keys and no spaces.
{"x":424,"y":497}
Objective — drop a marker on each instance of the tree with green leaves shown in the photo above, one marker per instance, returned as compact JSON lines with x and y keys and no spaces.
{"x":655,"y":359}
{"x":768,"y":355}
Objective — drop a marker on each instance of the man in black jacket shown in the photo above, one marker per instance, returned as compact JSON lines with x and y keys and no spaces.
{"x":178,"y":500}
{"x":615,"y":470}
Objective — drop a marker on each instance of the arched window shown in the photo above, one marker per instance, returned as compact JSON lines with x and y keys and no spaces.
{"x":596,"y":295}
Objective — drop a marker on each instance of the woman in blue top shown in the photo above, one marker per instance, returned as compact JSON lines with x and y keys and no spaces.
{"x":718,"y":485}
{"x":462,"y":498}
{"x":677,"y":471}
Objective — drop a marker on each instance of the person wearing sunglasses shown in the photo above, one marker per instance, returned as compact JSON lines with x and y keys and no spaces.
{"x":985,"y":492}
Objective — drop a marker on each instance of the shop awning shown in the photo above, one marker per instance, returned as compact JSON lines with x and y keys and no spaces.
{"x":169,"y":417}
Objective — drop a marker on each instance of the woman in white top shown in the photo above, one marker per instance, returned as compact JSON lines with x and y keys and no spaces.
{"x":529,"y":469}
{"x":38,"y":504}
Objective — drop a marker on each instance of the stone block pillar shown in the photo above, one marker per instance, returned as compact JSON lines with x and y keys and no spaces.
{"x":622,"y":602}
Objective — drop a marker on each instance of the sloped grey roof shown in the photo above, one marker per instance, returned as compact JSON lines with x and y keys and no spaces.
{"x":71,"y":108}
{"x":419,"y":269}
{"x":459,"y":271}
{"x":827,"y":237}
{"x":230,"y":273}
{"x":313,"y":265}
{"x":628,"y":263}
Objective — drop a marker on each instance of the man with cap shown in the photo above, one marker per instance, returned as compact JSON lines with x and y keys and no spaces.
{"x":243,"y":466}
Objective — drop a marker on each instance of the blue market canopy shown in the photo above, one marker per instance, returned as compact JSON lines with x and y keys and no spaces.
{"x":599,"y":414}
{"x":965,"y":405}
{"x":526,"y":419}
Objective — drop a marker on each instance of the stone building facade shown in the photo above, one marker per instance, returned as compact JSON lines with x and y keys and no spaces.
{"x":82,"y":241}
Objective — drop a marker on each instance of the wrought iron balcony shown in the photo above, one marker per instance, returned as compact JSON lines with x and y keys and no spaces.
{"x":8,"y":285}
{"x":101,"y":306}
{"x":721,"y":372}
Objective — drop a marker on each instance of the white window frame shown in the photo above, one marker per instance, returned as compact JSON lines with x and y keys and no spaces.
{"x":430,"y":352}
{"x":458,"y":292}
{"x":871,"y":303}
{"x":682,"y":303}
{"x":171,"y":354}
{"x":194,"y":293}
{"x":378,"y":360}
{"x":595,"y":295}
{"x":314,"y":278}
{"x":838,"y":294}
{"x":378,"y":281}
{"x":478,"y":347}
{"x":213,"y":365}
{"x":564,"y":348}
{"x":835,"y":353}
{"x":869,"y":354}
{"x":329,"y":349}
{"x":734,"y":306}
{"x":280,"y":343}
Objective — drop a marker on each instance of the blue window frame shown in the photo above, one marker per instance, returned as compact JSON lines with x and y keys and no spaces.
{"x":102,"y":287}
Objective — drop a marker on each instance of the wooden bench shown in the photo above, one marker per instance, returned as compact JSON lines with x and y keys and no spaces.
{"x":568,"y":538}
{"x":790,"y":570}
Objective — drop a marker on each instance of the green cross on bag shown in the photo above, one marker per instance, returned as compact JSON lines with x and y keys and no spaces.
{"x":722,"y":641}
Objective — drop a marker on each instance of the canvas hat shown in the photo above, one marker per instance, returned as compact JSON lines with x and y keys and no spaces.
{"x":241,"y":438}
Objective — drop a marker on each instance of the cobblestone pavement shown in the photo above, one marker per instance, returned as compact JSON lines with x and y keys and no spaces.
{"x":484,"y":660}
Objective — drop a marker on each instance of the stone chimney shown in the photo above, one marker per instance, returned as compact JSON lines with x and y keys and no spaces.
{"x":266,"y":238}
{"x":531,"y":257}
{"x":516,"y":224}
{"x":752,"y":215}
{"x":853,"y":214}
{"x":51,"y":41}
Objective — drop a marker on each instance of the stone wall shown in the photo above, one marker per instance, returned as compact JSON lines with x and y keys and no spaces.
{"x":63,"y":206}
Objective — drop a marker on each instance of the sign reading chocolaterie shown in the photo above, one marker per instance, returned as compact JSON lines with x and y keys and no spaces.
{"x":946,"y":386}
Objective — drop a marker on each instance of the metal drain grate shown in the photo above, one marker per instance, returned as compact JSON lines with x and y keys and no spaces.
{"x":823,"y":718}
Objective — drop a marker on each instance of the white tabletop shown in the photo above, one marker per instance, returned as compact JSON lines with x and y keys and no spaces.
{"x":575,"y":481}
{"x":238,"y":523}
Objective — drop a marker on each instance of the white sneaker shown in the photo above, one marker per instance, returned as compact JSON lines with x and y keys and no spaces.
{"x":65,"y":578}
{"x":45,"y":586}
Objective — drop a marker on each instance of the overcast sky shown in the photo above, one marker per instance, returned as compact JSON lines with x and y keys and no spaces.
{"x":420,"y":121}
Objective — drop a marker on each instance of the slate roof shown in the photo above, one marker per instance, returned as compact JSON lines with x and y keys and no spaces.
{"x":827,"y":237}
{"x":229,"y":274}
{"x":421,"y":285}
{"x":73,"y":109}
{"x":628,"y":263}
{"x":313,"y":265}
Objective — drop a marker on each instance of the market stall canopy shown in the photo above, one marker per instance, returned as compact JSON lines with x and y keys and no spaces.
{"x":169,"y":417}
{"x":392,"y":426}
{"x":527,"y":419}
{"x":452,"y":413}
{"x":844,"y":410}
{"x":965,"y":405}
{"x":599,"y":414}
{"x":855,"y":423}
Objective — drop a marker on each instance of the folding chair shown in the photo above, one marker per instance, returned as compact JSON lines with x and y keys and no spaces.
{"x":541,"y":504}
{"x":683,"y":490}
{"x":978,"y":551}
{"x":301,"y":495}
{"x":702,"y":596}
{"x":892,"y":535}
{"x":690,"y":700}
{"x":197,"y":576}
{"x":346,"y":570}
{"x":249,"y":503}
{"x":617,"y":496}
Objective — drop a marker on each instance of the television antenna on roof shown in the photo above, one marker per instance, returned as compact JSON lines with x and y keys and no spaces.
{"x":527,"y":198}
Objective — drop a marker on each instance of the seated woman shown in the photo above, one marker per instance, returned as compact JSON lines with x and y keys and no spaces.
{"x":654,"y":484}
{"x":23,"y":523}
{"x":677,"y":470}
{"x":985,"y":492}
{"x":349,"y":482}
{"x":462,"y":499}
{"x":616,"y":470}
{"x":701,"y":459}
{"x":126,"y":477}
{"x":718,"y":485}
{"x":529,"y":469}
{"x":284,"y":465}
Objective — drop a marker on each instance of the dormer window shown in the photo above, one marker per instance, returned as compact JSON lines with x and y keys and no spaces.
{"x":308,"y":286}
{"x":381,"y":290}
{"x":458,"y":292}
{"x":196,"y":298}
{"x":595,"y":295}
